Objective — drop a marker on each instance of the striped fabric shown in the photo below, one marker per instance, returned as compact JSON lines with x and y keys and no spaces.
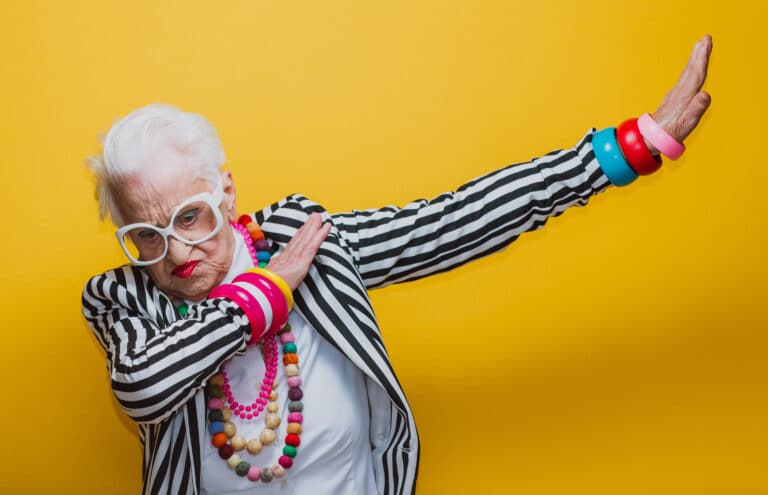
{"x":159,"y":363}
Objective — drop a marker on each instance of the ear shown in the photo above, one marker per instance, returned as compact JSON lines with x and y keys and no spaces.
{"x":228,"y":202}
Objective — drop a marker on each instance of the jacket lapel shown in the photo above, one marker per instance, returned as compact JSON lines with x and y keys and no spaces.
{"x":332,"y":297}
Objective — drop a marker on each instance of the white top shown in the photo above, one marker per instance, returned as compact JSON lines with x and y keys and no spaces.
{"x":334,"y":457}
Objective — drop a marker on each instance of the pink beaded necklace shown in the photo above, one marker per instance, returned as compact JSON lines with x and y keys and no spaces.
{"x":252,"y":411}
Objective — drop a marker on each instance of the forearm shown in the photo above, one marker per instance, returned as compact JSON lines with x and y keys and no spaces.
{"x":480,"y":217}
{"x":154,"y":370}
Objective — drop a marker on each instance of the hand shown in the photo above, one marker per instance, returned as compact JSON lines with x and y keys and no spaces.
{"x":293,"y":263}
{"x":685,"y":104}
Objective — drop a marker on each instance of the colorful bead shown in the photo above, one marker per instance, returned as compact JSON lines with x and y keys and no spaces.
{"x":254,"y":473}
{"x":287,"y":337}
{"x":267,"y":437}
{"x":253,"y":446}
{"x":245,"y":220}
{"x":272,"y":420}
{"x":215,"y":427}
{"x":290,"y":451}
{"x":230,"y":429}
{"x":215,"y":403}
{"x":242,"y":468}
{"x":183,"y":310}
{"x":290,"y":359}
{"x":215,"y":391}
{"x":273,"y":407}
{"x":291,"y":370}
{"x":261,"y":245}
{"x":226,"y":451}
{"x":278,"y":471}
{"x":216,"y":379}
{"x":263,"y":264}
{"x":295,"y":417}
{"x":266,"y":475}
{"x":216,"y":415}
{"x":296,"y":406}
{"x":285,"y":461}
{"x":294,"y":381}
{"x":295,"y":393}
{"x":237,"y":442}
{"x":273,"y":395}
{"x":289,"y":347}
{"x":263,"y":256}
{"x":218,"y":440}
{"x":234,"y":461}
{"x":293,"y":440}
{"x":227,"y":413}
{"x":294,"y":428}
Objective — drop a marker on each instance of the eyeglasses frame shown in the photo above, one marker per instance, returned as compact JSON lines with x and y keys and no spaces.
{"x":213,"y":199}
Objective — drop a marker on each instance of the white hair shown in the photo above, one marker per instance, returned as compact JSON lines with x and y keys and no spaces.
{"x":148,"y":138}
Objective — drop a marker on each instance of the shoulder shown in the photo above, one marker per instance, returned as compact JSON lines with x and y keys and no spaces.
{"x":127,"y":286}
{"x":290,"y":211}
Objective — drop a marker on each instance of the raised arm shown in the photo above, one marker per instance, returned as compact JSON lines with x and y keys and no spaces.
{"x":394,"y":244}
{"x":425,"y":237}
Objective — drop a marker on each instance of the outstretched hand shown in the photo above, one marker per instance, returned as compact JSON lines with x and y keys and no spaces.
{"x":685,"y":104}
{"x":293,"y":263}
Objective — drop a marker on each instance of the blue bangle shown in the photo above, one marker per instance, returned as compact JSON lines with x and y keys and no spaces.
{"x":611,"y":160}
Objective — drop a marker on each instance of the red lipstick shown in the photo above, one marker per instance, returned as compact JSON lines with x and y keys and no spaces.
{"x":185,"y":270}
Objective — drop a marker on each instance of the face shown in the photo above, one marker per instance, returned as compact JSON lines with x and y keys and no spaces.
{"x":186,"y":272}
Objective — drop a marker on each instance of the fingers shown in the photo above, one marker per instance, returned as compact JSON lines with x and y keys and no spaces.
{"x":695,"y":73}
{"x":685,"y":104}
{"x":694,"y":111}
{"x":294,"y":262}
{"x":306,"y":233}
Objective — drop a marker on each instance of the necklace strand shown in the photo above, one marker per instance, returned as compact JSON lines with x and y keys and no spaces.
{"x":222,"y":429}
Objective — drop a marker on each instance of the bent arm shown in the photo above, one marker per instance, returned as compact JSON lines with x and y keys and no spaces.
{"x":154,"y":369}
{"x":483,"y":216}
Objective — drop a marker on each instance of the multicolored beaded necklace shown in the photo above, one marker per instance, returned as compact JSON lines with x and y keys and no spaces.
{"x":223,"y":406}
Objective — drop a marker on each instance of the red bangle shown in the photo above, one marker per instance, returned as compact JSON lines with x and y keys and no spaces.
{"x":247,"y":302}
{"x":635,"y":151}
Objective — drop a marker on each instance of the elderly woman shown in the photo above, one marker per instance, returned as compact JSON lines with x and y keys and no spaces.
{"x":245,"y":346}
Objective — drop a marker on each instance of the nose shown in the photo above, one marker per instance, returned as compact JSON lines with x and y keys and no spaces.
{"x":178,"y":252}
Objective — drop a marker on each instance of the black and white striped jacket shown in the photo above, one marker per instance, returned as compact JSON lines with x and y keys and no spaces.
{"x":158,"y":363}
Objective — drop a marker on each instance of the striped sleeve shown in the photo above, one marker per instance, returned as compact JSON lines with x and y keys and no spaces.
{"x":483,"y":216}
{"x":155,"y":369}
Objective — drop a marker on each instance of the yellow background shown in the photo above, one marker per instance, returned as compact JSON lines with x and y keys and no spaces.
{"x":620,"y":350}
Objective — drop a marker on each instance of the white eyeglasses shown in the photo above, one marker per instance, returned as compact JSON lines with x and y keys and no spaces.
{"x":193,"y":222}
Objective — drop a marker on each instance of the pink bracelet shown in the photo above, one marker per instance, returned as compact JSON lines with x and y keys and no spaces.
{"x":660,"y":138}
{"x":261,"y":300}
{"x":273,"y":294}
{"x":248,"y":303}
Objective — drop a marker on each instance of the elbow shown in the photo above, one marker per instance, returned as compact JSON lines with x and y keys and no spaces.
{"x":147,"y":404}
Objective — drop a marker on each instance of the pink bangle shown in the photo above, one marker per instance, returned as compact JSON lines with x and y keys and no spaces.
{"x":248,"y":304}
{"x":660,"y":138}
{"x":273,"y":294}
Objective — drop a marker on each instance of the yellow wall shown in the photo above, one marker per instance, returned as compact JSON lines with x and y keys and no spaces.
{"x":620,"y":350}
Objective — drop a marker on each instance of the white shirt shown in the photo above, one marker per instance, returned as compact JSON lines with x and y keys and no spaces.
{"x":334,"y":457}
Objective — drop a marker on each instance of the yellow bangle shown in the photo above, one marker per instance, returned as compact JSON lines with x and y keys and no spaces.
{"x":278,"y":281}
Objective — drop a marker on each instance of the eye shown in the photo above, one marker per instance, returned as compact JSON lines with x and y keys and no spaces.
{"x":189,"y":216}
{"x":148,"y":235}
